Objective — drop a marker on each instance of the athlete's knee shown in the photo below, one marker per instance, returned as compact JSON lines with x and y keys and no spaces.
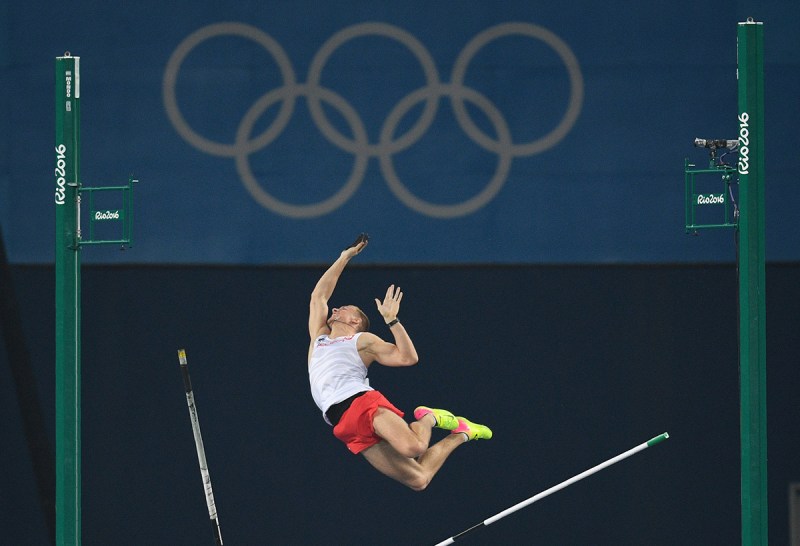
{"x":412,"y":447}
{"x":418,"y":482}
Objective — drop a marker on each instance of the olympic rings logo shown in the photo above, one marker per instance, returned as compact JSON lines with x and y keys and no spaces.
{"x":388,"y":143}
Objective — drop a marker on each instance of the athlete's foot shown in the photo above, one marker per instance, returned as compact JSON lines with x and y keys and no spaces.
{"x":473,"y":431}
{"x":444,"y":419}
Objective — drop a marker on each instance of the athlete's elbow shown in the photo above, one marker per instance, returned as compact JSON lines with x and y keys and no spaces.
{"x":419,"y":484}
{"x":410,"y":360}
{"x":400,"y":358}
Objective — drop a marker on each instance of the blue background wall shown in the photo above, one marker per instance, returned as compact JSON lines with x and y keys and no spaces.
{"x":569,"y":311}
{"x":642,"y":82}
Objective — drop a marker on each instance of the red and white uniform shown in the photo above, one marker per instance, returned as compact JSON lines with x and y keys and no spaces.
{"x":336,"y":371}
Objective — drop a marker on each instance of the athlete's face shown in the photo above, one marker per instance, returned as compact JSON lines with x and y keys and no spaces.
{"x":347,"y":314}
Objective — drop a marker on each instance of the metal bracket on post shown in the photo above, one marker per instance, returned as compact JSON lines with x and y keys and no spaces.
{"x":104,"y":215}
{"x":723,"y":196}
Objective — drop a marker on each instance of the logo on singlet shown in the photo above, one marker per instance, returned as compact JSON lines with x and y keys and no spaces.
{"x":326,"y":342}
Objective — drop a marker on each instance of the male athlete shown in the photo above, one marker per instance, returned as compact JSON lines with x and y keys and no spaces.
{"x":340,"y":352}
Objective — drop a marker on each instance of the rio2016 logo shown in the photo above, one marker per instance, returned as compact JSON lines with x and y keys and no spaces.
{"x":388,"y":144}
{"x":711,"y":199}
{"x":744,"y":143}
{"x":106,"y":215}
{"x":61,"y":172}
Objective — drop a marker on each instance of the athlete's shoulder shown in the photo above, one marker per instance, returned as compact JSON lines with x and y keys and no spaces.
{"x":365,"y":339}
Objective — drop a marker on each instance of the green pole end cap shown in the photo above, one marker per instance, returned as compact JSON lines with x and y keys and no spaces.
{"x":658,"y":439}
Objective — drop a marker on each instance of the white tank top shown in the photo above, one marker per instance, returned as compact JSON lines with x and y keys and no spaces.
{"x":336,"y":371}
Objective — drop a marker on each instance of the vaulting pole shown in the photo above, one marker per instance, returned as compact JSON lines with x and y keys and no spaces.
{"x":566,"y":483}
{"x":201,"y":451}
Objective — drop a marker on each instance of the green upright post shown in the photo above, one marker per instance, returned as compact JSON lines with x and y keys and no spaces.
{"x":752,"y":327}
{"x":68,"y":295}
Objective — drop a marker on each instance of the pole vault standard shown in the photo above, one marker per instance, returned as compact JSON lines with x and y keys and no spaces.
{"x":68,"y":243}
{"x":562,"y":485}
{"x":198,"y":441}
{"x":750,"y":224}
{"x":752,"y":299}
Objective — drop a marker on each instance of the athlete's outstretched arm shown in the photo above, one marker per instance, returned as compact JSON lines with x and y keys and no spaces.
{"x":400,"y":353}
{"x":318,"y":306}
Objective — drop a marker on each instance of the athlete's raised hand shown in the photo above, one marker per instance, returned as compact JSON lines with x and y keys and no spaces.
{"x":391,"y":303}
{"x":357,"y":246}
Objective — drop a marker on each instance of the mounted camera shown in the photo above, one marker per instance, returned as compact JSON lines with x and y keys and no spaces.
{"x":716,"y":144}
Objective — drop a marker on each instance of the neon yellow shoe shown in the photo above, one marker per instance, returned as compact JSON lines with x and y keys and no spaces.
{"x":474,"y":431}
{"x":444,"y":419}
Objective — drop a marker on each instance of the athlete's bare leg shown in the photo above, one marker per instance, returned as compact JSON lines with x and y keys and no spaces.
{"x":404,"y":454}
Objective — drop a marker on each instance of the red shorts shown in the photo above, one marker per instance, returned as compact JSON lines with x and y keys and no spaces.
{"x":355,"y":426}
